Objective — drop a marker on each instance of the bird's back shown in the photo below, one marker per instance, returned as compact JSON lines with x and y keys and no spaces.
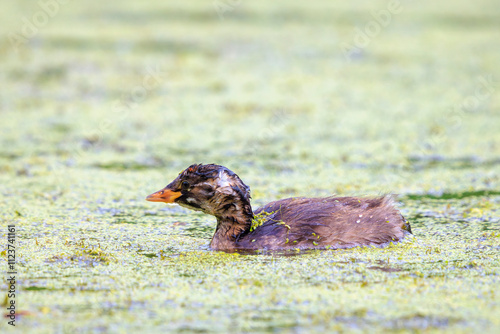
{"x":331,"y":222}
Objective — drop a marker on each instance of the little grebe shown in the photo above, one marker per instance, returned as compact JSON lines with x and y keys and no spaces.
{"x":330,"y":222}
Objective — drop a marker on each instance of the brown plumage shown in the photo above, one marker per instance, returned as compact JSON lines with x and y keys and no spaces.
{"x":331,"y":222}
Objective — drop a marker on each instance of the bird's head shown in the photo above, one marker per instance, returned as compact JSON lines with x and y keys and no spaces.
{"x":213,"y":189}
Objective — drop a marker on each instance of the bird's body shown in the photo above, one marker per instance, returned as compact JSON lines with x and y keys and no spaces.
{"x":304,"y":223}
{"x":332,"y":222}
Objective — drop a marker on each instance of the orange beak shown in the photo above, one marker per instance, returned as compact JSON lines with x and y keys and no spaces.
{"x":165,"y":195}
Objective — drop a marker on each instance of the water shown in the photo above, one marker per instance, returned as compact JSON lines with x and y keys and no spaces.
{"x":267,"y":92}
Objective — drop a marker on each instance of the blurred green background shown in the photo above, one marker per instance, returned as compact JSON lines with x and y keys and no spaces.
{"x":102,"y":104}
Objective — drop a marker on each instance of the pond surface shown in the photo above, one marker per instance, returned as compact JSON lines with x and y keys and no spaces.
{"x":96,"y":117}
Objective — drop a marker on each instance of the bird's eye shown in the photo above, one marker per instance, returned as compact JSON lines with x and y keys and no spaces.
{"x":185,"y":185}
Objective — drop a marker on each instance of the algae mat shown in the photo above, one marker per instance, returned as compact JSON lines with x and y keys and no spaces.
{"x":102,"y":104}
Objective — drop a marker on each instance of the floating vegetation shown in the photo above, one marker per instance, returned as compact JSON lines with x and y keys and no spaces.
{"x":260,"y":219}
{"x":456,"y":195}
{"x":94,"y":119}
{"x":86,"y":253}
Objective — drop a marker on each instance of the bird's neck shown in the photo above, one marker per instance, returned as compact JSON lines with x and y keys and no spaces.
{"x":231,"y":226}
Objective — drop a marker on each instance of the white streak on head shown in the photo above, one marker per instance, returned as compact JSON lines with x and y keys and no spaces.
{"x":223,"y":180}
{"x":224,"y":184}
